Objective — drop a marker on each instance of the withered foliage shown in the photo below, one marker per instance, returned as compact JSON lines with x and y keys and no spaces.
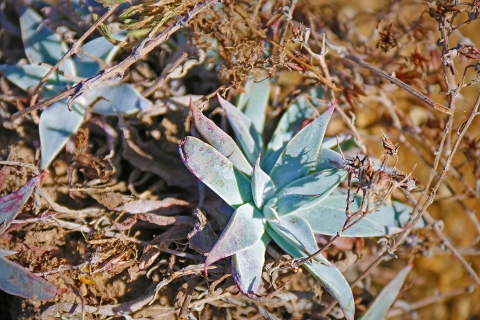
{"x":388,"y":39}
{"x":118,"y":226}
{"x":239,"y":34}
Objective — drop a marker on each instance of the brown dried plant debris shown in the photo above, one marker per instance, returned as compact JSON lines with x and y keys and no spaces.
{"x":239,"y":35}
{"x":441,"y":8}
{"x":375,"y":185}
{"x":388,"y":39}
{"x":93,"y":168}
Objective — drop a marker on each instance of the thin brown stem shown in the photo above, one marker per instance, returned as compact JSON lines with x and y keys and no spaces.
{"x":422,"y":213}
{"x":399,"y":83}
{"x":73,"y":50}
{"x":117,"y":71}
{"x":429,"y":301}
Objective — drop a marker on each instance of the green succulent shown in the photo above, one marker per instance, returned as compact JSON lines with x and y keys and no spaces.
{"x":282,"y":191}
{"x":45,"y":47}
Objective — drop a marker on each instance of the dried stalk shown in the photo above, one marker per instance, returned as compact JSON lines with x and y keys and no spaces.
{"x":117,"y":71}
{"x":73,"y":50}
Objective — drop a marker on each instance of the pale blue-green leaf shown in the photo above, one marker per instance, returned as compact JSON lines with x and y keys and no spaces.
{"x":316,"y":93}
{"x":247,"y":266}
{"x":56,"y":126}
{"x":335,"y":283}
{"x":292,"y":202}
{"x":100,"y":48}
{"x":244,"y":230}
{"x":262,"y":186}
{"x":295,"y":237}
{"x":329,"y":217}
{"x":122,"y":98}
{"x":247,"y":89}
{"x":329,"y":159}
{"x":314,"y":184}
{"x":385,"y":299}
{"x":12,"y":203}
{"x":18,"y":281}
{"x":221,"y":141}
{"x":216,"y":171}
{"x":28,"y":76}
{"x":296,"y":231}
{"x":308,"y":191}
{"x":269,"y":209}
{"x":301,"y":154}
{"x":256,"y":108}
{"x":4,"y":253}
{"x":289,"y":124}
{"x":42,"y":45}
{"x":248,"y":139}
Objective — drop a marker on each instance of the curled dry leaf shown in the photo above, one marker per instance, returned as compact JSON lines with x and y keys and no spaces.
{"x":147,"y":157}
{"x":120,"y":202}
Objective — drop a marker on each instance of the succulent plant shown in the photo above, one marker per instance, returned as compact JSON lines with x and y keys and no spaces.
{"x":57,"y":122}
{"x":15,"y":279}
{"x":281,"y":191}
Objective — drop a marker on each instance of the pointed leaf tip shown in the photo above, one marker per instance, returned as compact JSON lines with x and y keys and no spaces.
{"x":54,"y":134}
{"x":386,"y":298}
{"x":262,"y":186}
{"x":221,"y":141}
{"x":41,"y":43}
{"x":12,"y":203}
{"x":301,"y":155}
{"x":247,"y":136}
{"x":16,"y":280}
{"x":333,"y":106}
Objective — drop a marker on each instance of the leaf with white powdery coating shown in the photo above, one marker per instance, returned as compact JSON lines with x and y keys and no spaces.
{"x":255,"y":109}
{"x":308,"y":191}
{"x":245,"y":95}
{"x":41,"y":43}
{"x":329,"y":159}
{"x":5,"y":253}
{"x":247,"y":266}
{"x":122,"y":98}
{"x":385,"y":299}
{"x":247,"y":136}
{"x":289,"y":124}
{"x":216,"y":171}
{"x":294,"y":235}
{"x":314,"y":184}
{"x":100,"y":48}
{"x":301,"y":154}
{"x":221,"y":141}
{"x":262,"y":186}
{"x":245,"y":228}
{"x":329,"y":218}
{"x":28,"y":76}
{"x":56,"y":126}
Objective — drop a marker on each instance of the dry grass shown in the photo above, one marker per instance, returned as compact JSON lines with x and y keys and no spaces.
{"x":91,"y":241}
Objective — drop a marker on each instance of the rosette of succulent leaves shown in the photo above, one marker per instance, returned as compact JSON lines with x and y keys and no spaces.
{"x":44,"y":48}
{"x":283,"y":191}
